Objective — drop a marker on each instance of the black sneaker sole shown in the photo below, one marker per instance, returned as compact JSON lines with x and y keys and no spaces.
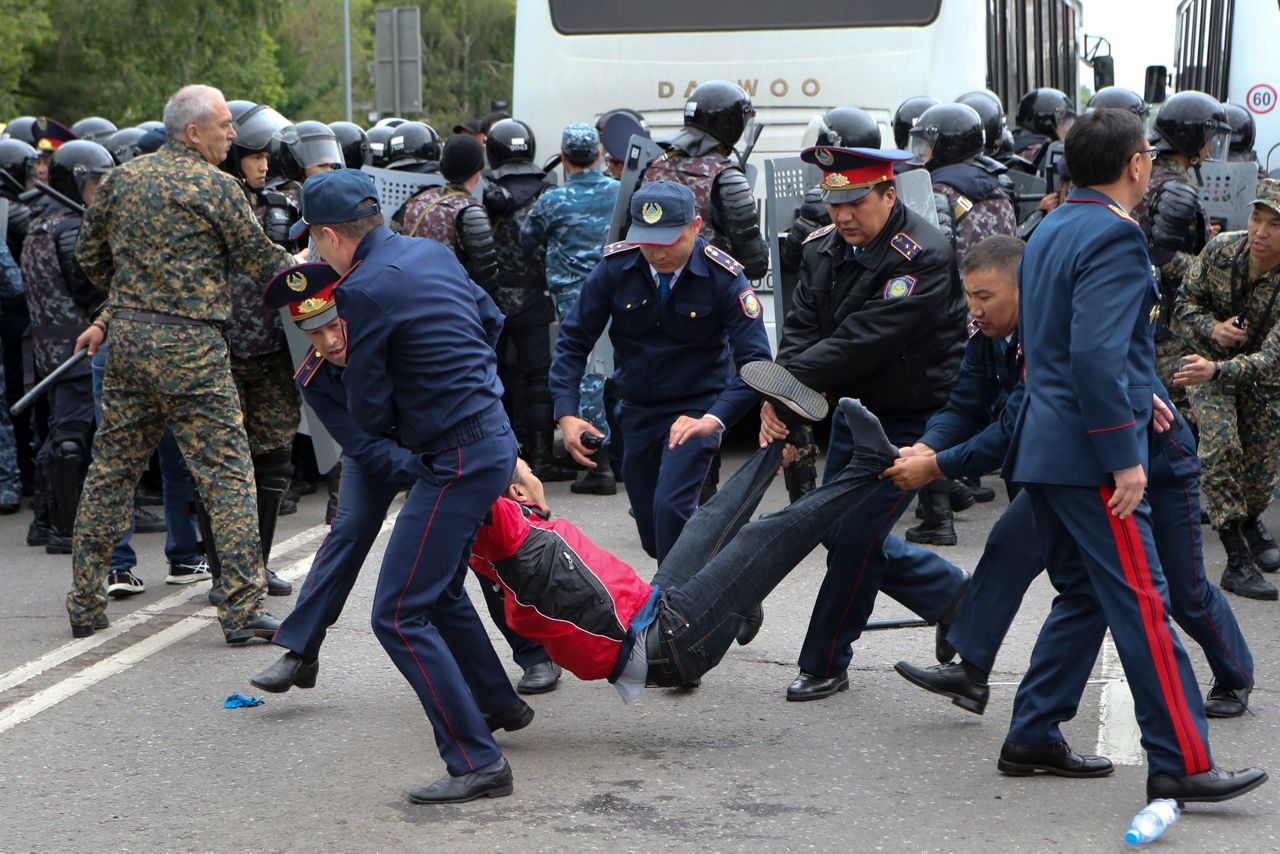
{"x":777,"y":383}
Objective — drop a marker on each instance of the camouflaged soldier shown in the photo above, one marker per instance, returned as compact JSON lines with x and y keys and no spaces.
{"x":571,"y":223}
{"x":169,"y":365}
{"x":1227,"y":316}
{"x":10,"y":480}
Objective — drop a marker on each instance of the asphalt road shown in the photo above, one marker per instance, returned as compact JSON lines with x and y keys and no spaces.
{"x":121,"y":742}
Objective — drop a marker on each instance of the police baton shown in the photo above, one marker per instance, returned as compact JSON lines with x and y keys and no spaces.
{"x":43,"y":386}
{"x":60,"y":198}
{"x":756,"y":130}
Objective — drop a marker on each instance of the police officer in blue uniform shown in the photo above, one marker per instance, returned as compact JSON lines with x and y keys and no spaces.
{"x":421,"y":370}
{"x":966,"y":440}
{"x":1089,"y":306}
{"x":683,"y":320}
{"x":375,"y":470}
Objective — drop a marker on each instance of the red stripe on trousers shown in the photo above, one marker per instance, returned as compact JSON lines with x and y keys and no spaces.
{"x":1133,"y":560}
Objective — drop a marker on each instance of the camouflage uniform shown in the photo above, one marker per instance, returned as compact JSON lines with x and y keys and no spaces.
{"x":975,"y":221}
{"x":572,"y":222}
{"x":1239,"y":411}
{"x":434,"y":212}
{"x":161,"y":235}
{"x":10,"y":480}
{"x":698,"y":174}
{"x":1169,"y":348}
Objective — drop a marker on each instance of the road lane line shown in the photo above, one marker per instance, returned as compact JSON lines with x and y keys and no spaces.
{"x":1119,"y":738}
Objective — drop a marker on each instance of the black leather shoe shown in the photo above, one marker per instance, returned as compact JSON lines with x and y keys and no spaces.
{"x":750,"y":626}
{"x":277,"y":586}
{"x":99,"y":622}
{"x":809,"y":687}
{"x":1225,"y":702}
{"x":216,"y":594}
{"x":291,"y":669}
{"x":517,"y":717}
{"x":57,"y":544}
{"x":262,"y":626}
{"x":539,"y":678}
{"x":949,"y":680}
{"x":1207,"y":787}
{"x":595,"y":482}
{"x":468,"y":787}
{"x":1024,"y":760}
{"x":942,"y":648}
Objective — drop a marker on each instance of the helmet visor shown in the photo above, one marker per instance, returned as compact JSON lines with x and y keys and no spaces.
{"x":255,"y":128}
{"x":817,"y":133}
{"x":1219,"y":144}
{"x":317,"y":151}
{"x":922,"y":139}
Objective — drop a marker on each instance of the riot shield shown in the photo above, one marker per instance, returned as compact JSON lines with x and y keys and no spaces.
{"x":1029,"y":189}
{"x":395,"y":186}
{"x":1226,"y":189}
{"x":327,"y":450}
{"x":786,"y":180}
{"x":4,"y":220}
{"x":641,"y":151}
{"x":915,"y":189}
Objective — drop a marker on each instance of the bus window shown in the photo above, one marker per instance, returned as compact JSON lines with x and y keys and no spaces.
{"x":592,"y":17}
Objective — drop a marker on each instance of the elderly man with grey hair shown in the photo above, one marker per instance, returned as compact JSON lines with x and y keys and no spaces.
{"x":159,"y":238}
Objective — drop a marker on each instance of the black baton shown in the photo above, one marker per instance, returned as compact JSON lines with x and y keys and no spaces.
{"x":43,"y":386}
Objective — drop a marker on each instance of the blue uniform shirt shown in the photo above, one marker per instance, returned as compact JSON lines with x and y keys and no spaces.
{"x":420,"y":339}
{"x":1089,"y":309}
{"x":572,"y":222}
{"x":668,"y":353}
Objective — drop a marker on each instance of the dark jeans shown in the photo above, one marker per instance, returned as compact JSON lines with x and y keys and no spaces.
{"x":721,"y":567}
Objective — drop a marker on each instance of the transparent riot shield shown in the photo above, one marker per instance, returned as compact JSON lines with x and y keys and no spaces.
{"x":1226,"y":189}
{"x":1029,"y":190}
{"x":915,"y":189}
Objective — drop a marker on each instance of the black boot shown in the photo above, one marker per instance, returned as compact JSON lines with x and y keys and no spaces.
{"x":961,"y":497}
{"x":1241,"y":577}
{"x":205,"y":525}
{"x":270,"y":495}
{"x":65,"y":477}
{"x":597,"y":481}
{"x":542,"y":460}
{"x":937,"y":529}
{"x":1261,"y":545}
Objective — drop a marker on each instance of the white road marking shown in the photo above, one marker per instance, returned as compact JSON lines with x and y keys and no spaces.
{"x":1119,"y":738}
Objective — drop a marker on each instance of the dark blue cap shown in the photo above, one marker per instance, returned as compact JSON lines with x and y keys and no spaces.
{"x":659,"y":212}
{"x":332,"y":197}
{"x":617,"y":133}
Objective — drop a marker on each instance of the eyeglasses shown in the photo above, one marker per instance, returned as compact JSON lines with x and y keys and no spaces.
{"x":1150,"y":152}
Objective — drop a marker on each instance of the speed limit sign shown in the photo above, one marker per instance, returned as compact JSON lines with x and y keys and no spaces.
{"x":1261,"y":99}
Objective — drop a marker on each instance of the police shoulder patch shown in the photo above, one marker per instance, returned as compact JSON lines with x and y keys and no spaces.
{"x":899,"y":286}
{"x":905,"y":246}
{"x":820,"y":232}
{"x":724,"y":259}
{"x":750,"y":305}
{"x":309,"y":368}
{"x":620,"y":246}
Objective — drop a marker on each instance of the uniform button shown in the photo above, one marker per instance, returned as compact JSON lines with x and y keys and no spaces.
{"x":628,"y":306}
{"x":693,"y":314}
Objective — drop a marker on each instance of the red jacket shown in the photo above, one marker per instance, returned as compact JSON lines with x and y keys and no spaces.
{"x":560,"y":589}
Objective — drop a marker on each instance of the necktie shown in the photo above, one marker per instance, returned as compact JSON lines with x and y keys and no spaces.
{"x":664,"y":287}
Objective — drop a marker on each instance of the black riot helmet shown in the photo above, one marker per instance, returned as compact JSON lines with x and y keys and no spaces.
{"x":390,"y":122}
{"x":721,"y":109}
{"x":1043,"y":110}
{"x":305,"y":144}
{"x":23,"y":128}
{"x":509,"y":141}
{"x":239,"y":107}
{"x":123,"y":144}
{"x":74,"y":164}
{"x":257,"y":127}
{"x":905,"y":118}
{"x":94,"y":129}
{"x":988,"y":107}
{"x":1188,"y":121}
{"x":946,"y":134}
{"x":17,"y":165}
{"x":378,"y":139}
{"x":1119,"y":98}
{"x":1243,"y":131}
{"x":843,"y":127}
{"x":414,"y":143}
{"x":152,"y":125}
{"x":354,"y":142}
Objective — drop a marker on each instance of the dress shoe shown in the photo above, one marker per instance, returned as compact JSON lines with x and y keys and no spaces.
{"x":100,"y":621}
{"x":456,"y":790}
{"x":291,"y":669}
{"x":810,"y":687}
{"x":968,"y":690}
{"x":262,"y":626}
{"x":1224,"y":702}
{"x":517,"y":717}
{"x":1206,"y":787}
{"x":57,"y":544}
{"x":1261,"y":544}
{"x":146,"y":522}
{"x":216,"y":594}
{"x":781,"y":388}
{"x":750,"y":625}
{"x":539,"y":678}
{"x":596,"y":482}
{"x":981,"y":494}
{"x":1024,"y":760}
{"x":277,"y":586}
{"x":942,"y":648}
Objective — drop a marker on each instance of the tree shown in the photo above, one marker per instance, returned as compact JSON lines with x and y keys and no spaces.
{"x":27,"y":26}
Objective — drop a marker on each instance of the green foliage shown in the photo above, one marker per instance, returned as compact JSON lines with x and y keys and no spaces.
{"x":27,"y":27}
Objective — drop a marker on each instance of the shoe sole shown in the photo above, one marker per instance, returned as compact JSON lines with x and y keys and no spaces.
{"x":239,"y":636}
{"x":804,"y":698}
{"x":967,"y":703}
{"x":496,"y":792}
{"x":613,"y":491}
{"x":121,"y":592}
{"x":930,"y":540}
{"x":777,"y":383}
{"x":1221,"y":715}
{"x":187,"y":579}
{"x":1225,"y":796}
{"x":518,"y":724}
{"x":541,"y":689}
{"x":304,"y":683}
{"x":1029,"y":769}
{"x":1265,"y":596}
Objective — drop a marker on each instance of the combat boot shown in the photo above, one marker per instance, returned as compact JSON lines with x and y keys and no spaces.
{"x":542,"y":460}
{"x":205,"y":525}
{"x":271,"y":491}
{"x":937,"y":527}
{"x":1261,"y":545}
{"x":1241,"y":577}
{"x":598,"y":481}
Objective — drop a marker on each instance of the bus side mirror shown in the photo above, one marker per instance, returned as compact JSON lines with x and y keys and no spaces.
{"x":1157,"y":80}
{"x":1104,"y":73}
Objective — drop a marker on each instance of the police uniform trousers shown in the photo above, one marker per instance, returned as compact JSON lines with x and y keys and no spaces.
{"x":1239,"y":446}
{"x":1108,"y":575}
{"x":663,"y":484}
{"x":1012,"y":560}
{"x":863,"y":558}
{"x":422,"y":615}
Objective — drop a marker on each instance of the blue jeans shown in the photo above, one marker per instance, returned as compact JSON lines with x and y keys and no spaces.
{"x":180,"y":544}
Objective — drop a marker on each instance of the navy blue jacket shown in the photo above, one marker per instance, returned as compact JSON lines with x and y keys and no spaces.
{"x":665,"y":355}
{"x":420,"y":339}
{"x":1089,"y":298}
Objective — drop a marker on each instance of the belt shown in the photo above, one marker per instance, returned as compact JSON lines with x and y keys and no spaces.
{"x":157,"y":317}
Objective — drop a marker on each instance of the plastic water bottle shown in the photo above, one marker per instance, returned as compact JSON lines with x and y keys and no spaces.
{"x":1154,"y":819}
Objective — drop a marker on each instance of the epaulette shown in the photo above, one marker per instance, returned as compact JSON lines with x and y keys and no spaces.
{"x":905,"y":246}
{"x":620,"y":246}
{"x":819,"y":232}
{"x":724,"y":259}
{"x":309,"y":368}
{"x":1122,"y":213}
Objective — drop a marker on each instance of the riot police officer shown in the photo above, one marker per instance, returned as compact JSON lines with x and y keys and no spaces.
{"x":1044,"y":115}
{"x":378,"y":136}
{"x":1243,"y":135}
{"x":17,"y":171}
{"x":904,"y":118}
{"x":300,"y":151}
{"x":124,"y":144}
{"x":716,"y":116}
{"x":1119,"y":98}
{"x":94,"y":128}
{"x":415,"y":147}
{"x":354,"y":142}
